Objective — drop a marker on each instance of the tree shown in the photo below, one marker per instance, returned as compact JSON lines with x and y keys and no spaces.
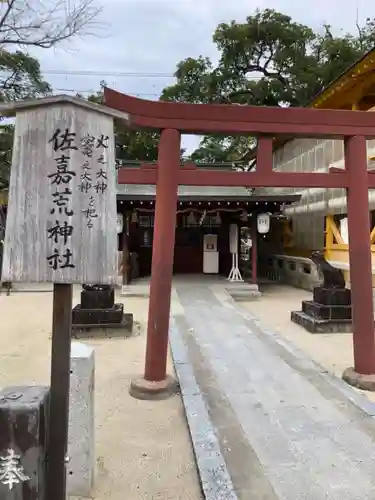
{"x":20,"y":77}
{"x":33,"y":23}
{"x":269,"y":60}
{"x":36,"y":23}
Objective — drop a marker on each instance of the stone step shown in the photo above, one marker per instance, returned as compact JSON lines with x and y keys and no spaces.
{"x":322,"y":311}
{"x":82,"y":316}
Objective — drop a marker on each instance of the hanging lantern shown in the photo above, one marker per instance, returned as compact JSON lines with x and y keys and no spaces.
{"x":218,"y":219}
{"x":134,"y":217}
{"x":263,"y":223}
{"x":243,"y":216}
{"x":120,"y":223}
{"x":191,"y":221}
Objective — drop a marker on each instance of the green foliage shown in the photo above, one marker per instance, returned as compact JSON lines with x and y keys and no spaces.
{"x":20,"y":77}
{"x":269,"y":60}
{"x":6,"y":144}
{"x":25,"y":24}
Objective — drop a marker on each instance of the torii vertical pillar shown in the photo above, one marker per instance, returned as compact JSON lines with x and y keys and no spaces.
{"x":363,"y":373}
{"x":156,"y":384}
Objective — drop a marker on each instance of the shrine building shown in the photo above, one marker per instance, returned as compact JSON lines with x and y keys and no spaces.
{"x":204,"y":216}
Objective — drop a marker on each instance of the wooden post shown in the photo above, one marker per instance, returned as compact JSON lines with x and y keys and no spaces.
{"x":264,"y":159}
{"x":360,"y":264}
{"x":254,"y":253}
{"x":125,"y":251}
{"x":155,"y":383}
{"x":59,"y":396}
{"x":62,"y":164}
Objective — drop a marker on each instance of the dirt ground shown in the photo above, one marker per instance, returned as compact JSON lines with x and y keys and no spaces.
{"x":333,"y":351}
{"x":143,"y":448}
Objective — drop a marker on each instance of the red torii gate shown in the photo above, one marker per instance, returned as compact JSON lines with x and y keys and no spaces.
{"x":172,"y":119}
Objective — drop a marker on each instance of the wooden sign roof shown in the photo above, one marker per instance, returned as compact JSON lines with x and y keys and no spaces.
{"x":11,"y":108}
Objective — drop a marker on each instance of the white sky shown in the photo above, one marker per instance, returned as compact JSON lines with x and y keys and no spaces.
{"x":151,"y":36}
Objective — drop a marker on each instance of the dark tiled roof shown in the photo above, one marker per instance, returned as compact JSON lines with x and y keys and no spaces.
{"x":136,"y":190}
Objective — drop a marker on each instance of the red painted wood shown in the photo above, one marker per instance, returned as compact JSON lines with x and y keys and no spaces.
{"x":360,"y":255}
{"x":137,"y":175}
{"x":355,"y":126}
{"x":200,"y":177}
{"x":264,"y":163}
{"x":162,"y":255}
{"x":256,"y":120}
{"x":148,"y":166}
{"x":190,"y":166}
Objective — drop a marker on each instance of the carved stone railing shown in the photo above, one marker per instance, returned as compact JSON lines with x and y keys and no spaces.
{"x":300,"y":272}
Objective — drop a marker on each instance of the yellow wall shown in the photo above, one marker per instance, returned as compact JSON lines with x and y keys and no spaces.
{"x":337,"y":250}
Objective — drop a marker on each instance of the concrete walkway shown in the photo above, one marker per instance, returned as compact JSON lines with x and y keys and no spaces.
{"x":266,"y":422}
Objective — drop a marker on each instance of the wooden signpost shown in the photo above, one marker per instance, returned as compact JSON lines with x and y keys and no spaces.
{"x":61,"y":227}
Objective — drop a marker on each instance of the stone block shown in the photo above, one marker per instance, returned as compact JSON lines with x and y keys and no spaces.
{"x":81,"y":445}
{"x":317,"y":325}
{"x":98,"y":299}
{"x":332,"y":296}
{"x":23,"y":425}
{"x":82,"y":316}
{"x":323,"y":311}
{"x":105,"y":330}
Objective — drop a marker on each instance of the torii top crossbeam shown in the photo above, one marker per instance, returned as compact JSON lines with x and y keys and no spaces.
{"x":244,"y":120}
{"x":263,"y":122}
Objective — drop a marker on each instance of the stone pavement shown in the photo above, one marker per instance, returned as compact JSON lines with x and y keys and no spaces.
{"x":266,"y":422}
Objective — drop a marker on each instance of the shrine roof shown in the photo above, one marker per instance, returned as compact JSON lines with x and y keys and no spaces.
{"x":342,"y":92}
{"x":149,"y":190}
{"x":198,"y":193}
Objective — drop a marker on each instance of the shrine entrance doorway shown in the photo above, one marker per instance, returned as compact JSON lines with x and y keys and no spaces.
{"x":173,"y":119}
{"x":203,"y":211}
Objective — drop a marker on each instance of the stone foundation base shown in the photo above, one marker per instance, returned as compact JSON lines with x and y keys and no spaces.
{"x":141,"y":388}
{"x":364,"y":382}
{"x":105,"y":330}
{"x":314,"y":325}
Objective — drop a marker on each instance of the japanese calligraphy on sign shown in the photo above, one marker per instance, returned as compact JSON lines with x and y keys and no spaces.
{"x":93,"y":179}
{"x":11,"y":470}
{"x":62,"y":198}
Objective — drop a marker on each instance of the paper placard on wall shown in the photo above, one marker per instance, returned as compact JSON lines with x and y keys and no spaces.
{"x":263,"y":223}
{"x":210,"y":243}
{"x":233,"y":238}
